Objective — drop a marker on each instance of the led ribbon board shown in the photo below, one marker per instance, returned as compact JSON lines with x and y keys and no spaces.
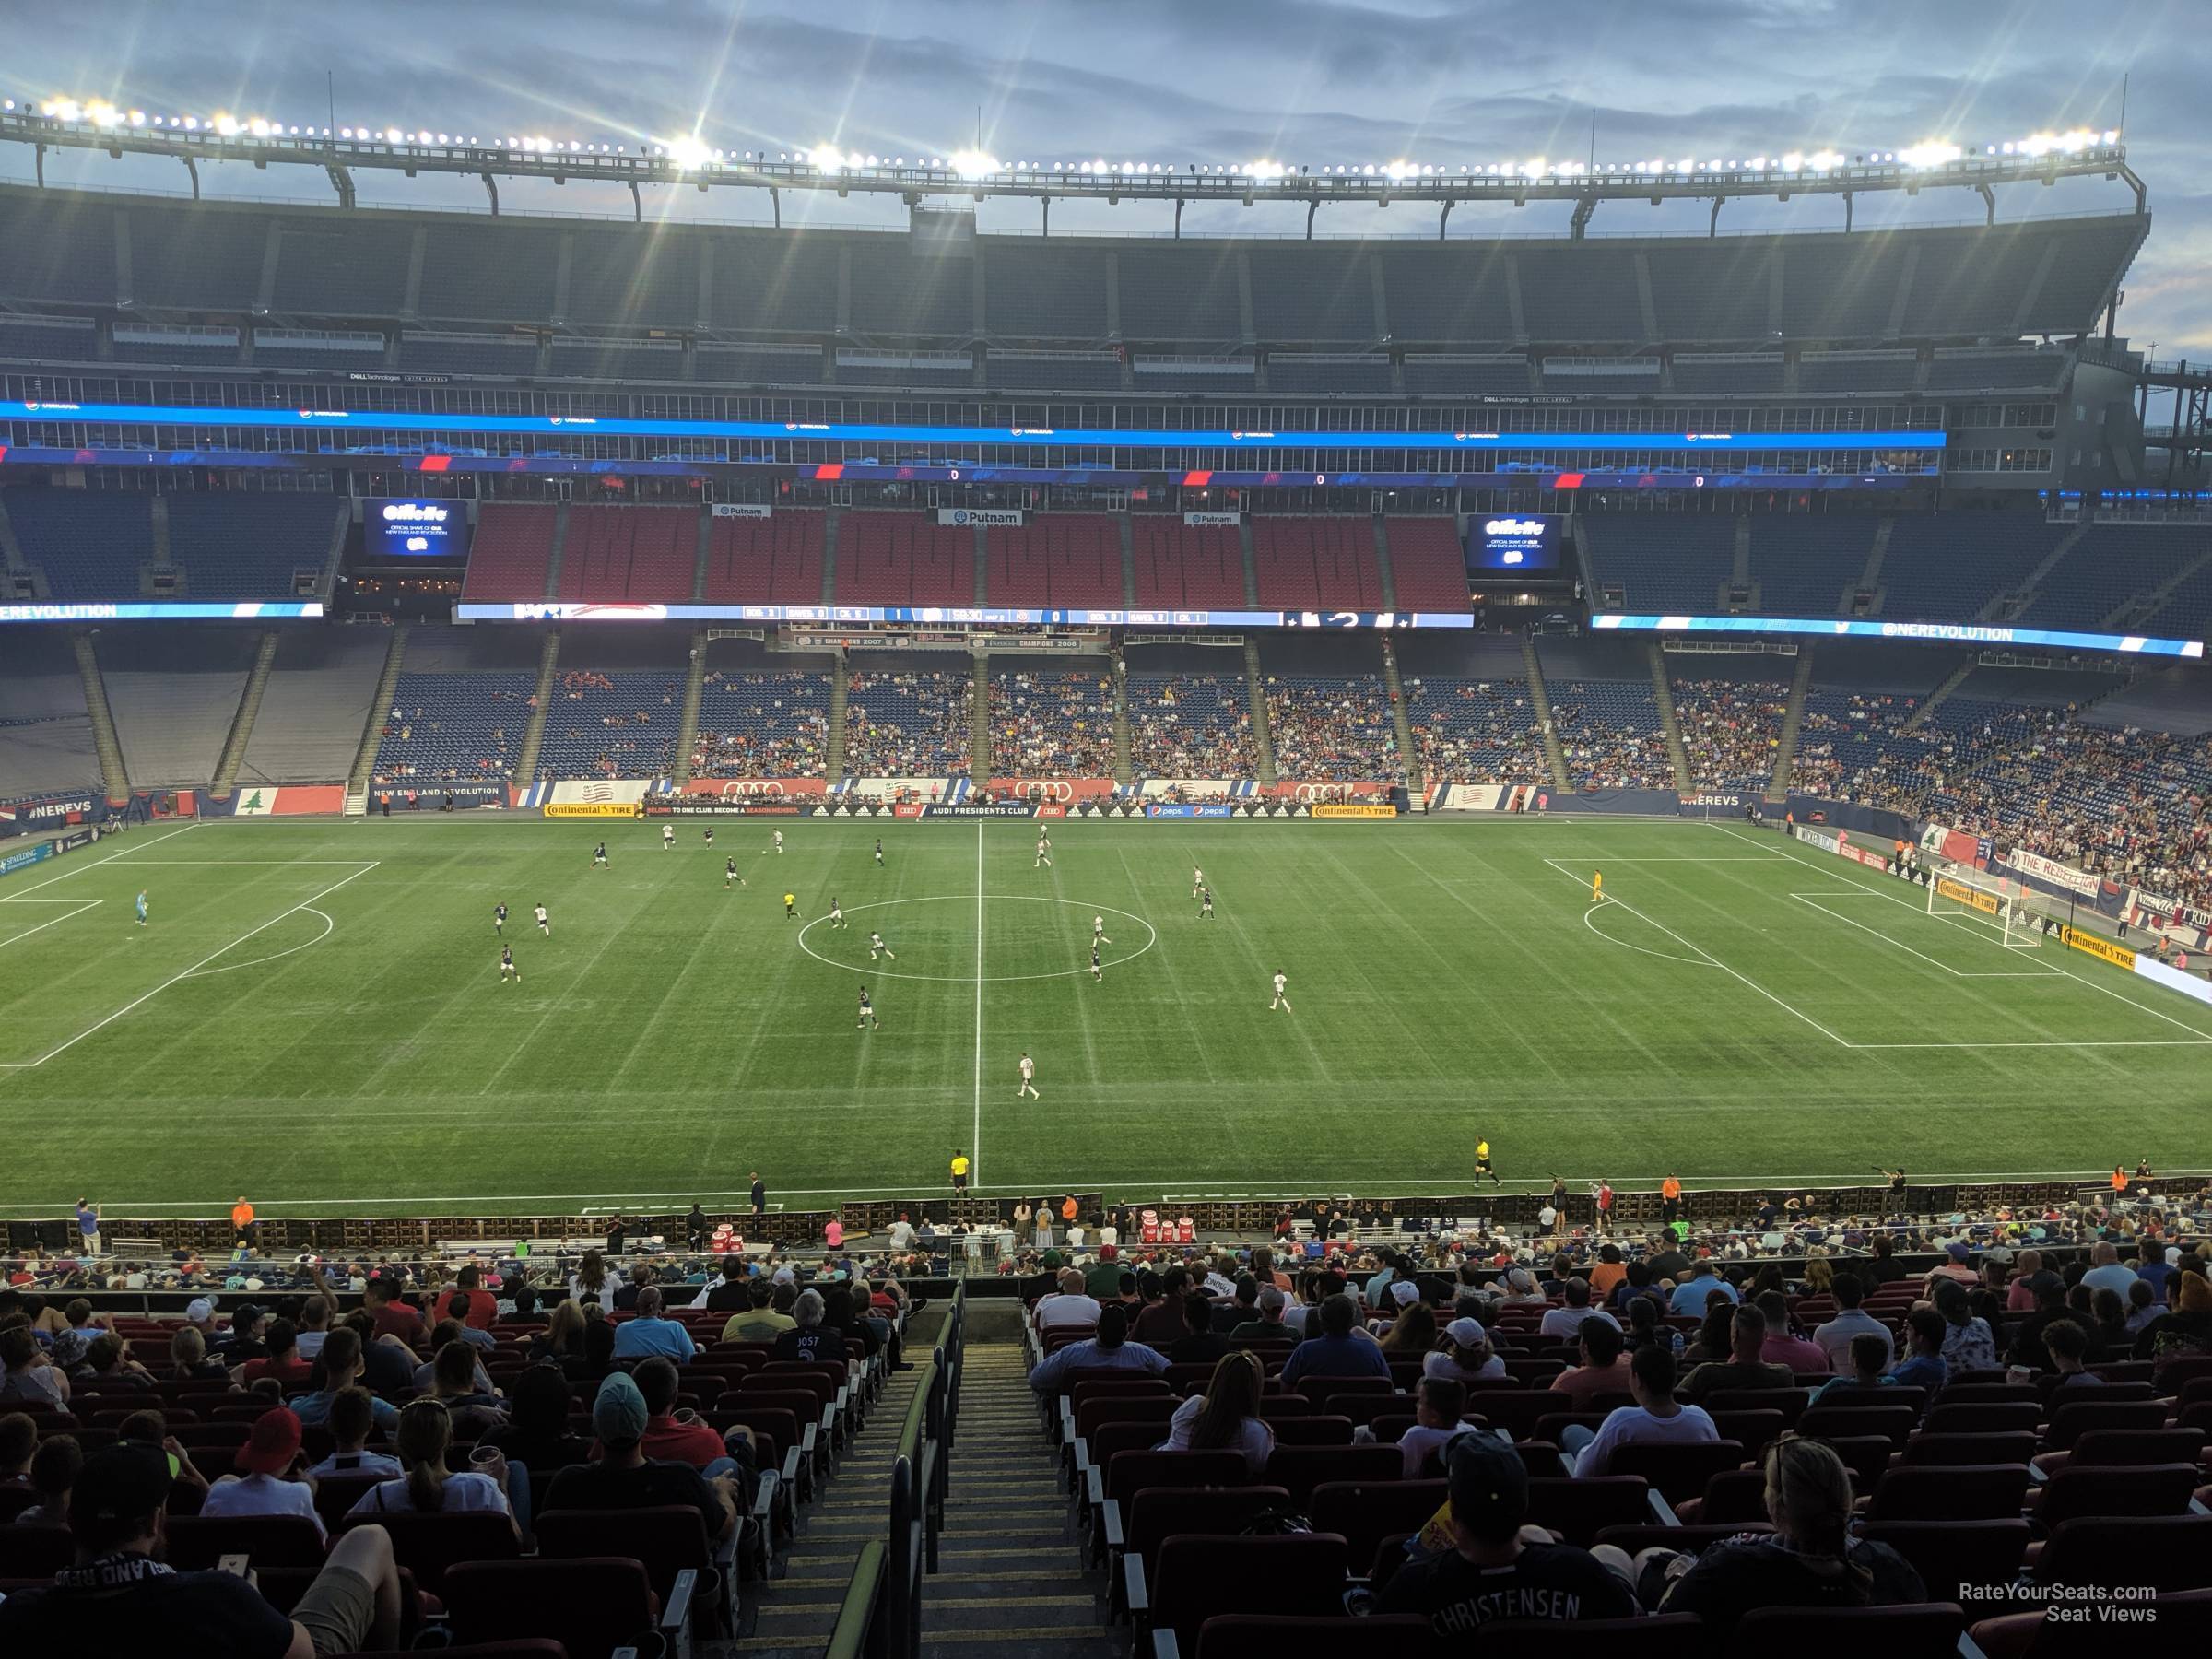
{"x":1941,"y":633}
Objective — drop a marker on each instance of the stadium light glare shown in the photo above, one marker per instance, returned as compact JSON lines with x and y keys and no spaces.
{"x":689,"y":153}
{"x":1826,"y":160}
{"x":1931,"y":153}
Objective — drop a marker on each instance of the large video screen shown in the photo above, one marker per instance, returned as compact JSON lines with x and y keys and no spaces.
{"x":415,"y":530}
{"x":1515,"y":541}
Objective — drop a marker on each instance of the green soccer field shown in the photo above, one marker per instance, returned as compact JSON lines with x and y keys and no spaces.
{"x":314,"y":1016}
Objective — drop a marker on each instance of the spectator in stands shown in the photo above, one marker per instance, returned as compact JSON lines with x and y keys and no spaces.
{"x":1783,"y":1345}
{"x":1070,"y":1304}
{"x":2142,"y":1308}
{"x":67,"y":1348}
{"x":393,"y":1316}
{"x":458,"y":1383}
{"x":2107,"y":1271}
{"x":1860,"y":1377}
{"x":343,"y":1368}
{"x":351,"y":1417}
{"x":2110,"y":1334}
{"x":27,"y":1374}
{"x":273,"y":1478}
{"x":665,"y":1438}
{"x":54,"y":1466}
{"x":1108,"y":1348}
{"x":1924,"y":1368}
{"x":189,"y":1361}
{"x":107,"y":1365}
{"x":426,"y":1436}
{"x":1835,"y":1337}
{"x":1467,"y":1355}
{"x":563,"y":1337}
{"x":452,"y":1332}
{"x":1498,"y":1566}
{"x":1440,"y":1406}
{"x":536,"y":1438}
{"x":592,"y":1282}
{"x":1341,"y":1349}
{"x":808,"y":1338}
{"x":730,"y":1294}
{"x":2185,"y":1331}
{"x":387,"y":1363}
{"x":1161,"y":1319}
{"x":1268,"y":1304}
{"x":19,"y":1439}
{"x":1743,"y":1368}
{"x":282,"y":1362}
{"x":649,"y":1332}
{"x":1967,"y":1343}
{"x":767,"y":1318}
{"x":1655,"y":1417}
{"x":1564,"y":1324}
{"x":119,"y":1588}
{"x":1604,"y":1368}
{"x":2069,"y":1345}
{"x":1690,"y":1295}
{"x":475,"y":1307}
{"x":623,"y":1477}
{"x":1413,"y":1333}
{"x":1226,"y":1414}
{"x":641,"y":1274}
{"x":1200,"y":1344}
{"x":1809,"y":1560}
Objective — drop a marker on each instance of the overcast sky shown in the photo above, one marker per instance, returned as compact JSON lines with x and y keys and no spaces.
{"x":1199,"y":81}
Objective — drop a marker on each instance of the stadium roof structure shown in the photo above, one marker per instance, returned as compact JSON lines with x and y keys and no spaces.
{"x":2042,"y":160}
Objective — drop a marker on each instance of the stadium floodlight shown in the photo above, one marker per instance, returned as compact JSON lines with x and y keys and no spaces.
{"x":974,"y":164}
{"x":824,"y":157}
{"x":1934,"y":152}
{"x":689,"y":153}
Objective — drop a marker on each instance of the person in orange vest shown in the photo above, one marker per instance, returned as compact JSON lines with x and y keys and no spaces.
{"x":1067,"y":1208}
{"x":2118,"y":1180}
{"x":242,"y":1220}
{"x":1670,"y":1198}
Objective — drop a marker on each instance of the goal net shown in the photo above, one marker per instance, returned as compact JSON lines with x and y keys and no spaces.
{"x":2008,"y":908}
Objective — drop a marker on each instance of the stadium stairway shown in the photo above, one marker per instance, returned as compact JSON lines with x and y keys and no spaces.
{"x":548,"y":663}
{"x":840,"y":691}
{"x":242,"y":724}
{"x":832,"y":520}
{"x":1124,"y":771}
{"x":695,"y":691}
{"x":1870,"y":578}
{"x":980,"y":758}
{"x":112,"y":776}
{"x":554,"y":560}
{"x":1387,"y":579}
{"x":1955,"y":679}
{"x":1786,"y":750}
{"x":364,"y":758}
{"x":1676,"y":755}
{"x":1417,"y":783}
{"x":1255,"y":686}
{"x":2009,"y":602}
{"x":1540,"y":700}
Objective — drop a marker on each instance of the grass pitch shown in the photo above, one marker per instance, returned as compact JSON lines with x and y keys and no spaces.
{"x":314,"y":1016}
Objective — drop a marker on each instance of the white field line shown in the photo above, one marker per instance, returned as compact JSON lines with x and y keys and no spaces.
{"x":165,"y":984}
{"x":78,"y":869}
{"x":1715,"y":961}
{"x":1813,"y":899}
{"x":2068,"y":972}
{"x":77,"y":908}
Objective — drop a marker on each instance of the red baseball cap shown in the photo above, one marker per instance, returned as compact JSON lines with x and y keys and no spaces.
{"x":272,"y":1444}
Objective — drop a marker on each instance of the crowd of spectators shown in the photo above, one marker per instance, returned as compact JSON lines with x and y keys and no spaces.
{"x":1610,"y":736}
{"x":1332,"y":726}
{"x":1731,"y":730}
{"x":1191,"y":725}
{"x":1470,"y":731}
{"x":907,"y":724}
{"x":1052,"y":724}
{"x":762,"y":725}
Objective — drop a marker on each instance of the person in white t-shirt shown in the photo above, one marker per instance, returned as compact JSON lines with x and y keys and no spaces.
{"x":1565,"y":1325}
{"x":426,"y":1435}
{"x":352,"y":1416}
{"x":1069,"y":1305}
{"x":1227,"y":1415}
{"x":273,"y":1480}
{"x":1656,"y":1418}
{"x":1110,"y":1237}
{"x":1438,"y":1408}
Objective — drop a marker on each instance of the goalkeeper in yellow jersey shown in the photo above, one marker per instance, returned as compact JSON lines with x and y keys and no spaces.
{"x":1597,"y":887}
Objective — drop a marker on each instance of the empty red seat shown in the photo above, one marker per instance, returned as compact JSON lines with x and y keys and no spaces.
{"x":589,"y":1606}
{"x":1677,"y":1472}
{"x":1578,"y":1509}
{"x":1943,"y":1492}
{"x":2075,"y":1419}
{"x":1958,"y":1449}
{"x":1949,"y":1555}
{"x":2113,"y":1446}
{"x":1152,"y":1515}
{"x":1894,"y":1423}
{"x":197,"y":1542}
{"x":1366,"y":1512}
{"x":2160,"y":1552}
{"x":1302,"y":1468}
{"x":668,"y":1539}
{"x":2106,"y":1490}
{"x":430,"y":1546}
{"x":1313,"y":1429}
{"x":1298,"y":1575}
{"x":2182,"y":1622}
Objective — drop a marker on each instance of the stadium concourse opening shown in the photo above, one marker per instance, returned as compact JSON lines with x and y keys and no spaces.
{"x":897,"y":942}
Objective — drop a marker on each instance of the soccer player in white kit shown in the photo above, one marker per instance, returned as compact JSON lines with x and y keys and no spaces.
{"x":1044,"y":852}
{"x":1197,"y":881}
{"x":544,"y":926}
{"x":1098,"y":931}
{"x":1028,"y":1079}
{"x":779,"y":840}
{"x":875,"y":943}
{"x":667,"y":838}
{"x":1282,"y":997}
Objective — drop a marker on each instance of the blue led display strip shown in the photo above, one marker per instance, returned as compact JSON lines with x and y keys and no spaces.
{"x":551,"y":426}
{"x":159,"y":610}
{"x":1946,"y":633}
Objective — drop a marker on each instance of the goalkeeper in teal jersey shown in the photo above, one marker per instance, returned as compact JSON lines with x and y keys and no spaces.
{"x":142,"y":910}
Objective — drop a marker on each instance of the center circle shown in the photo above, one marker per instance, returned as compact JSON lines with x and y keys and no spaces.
{"x":1151,"y":938}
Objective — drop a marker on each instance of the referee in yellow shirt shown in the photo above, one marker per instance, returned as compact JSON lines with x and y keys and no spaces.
{"x":959,"y":1172}
{"x":1597,"y":887}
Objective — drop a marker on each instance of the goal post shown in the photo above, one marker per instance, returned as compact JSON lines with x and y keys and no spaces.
{"x":2006,"y":907}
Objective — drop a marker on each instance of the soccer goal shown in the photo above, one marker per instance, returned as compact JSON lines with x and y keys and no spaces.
{"x":2005,"y":906}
